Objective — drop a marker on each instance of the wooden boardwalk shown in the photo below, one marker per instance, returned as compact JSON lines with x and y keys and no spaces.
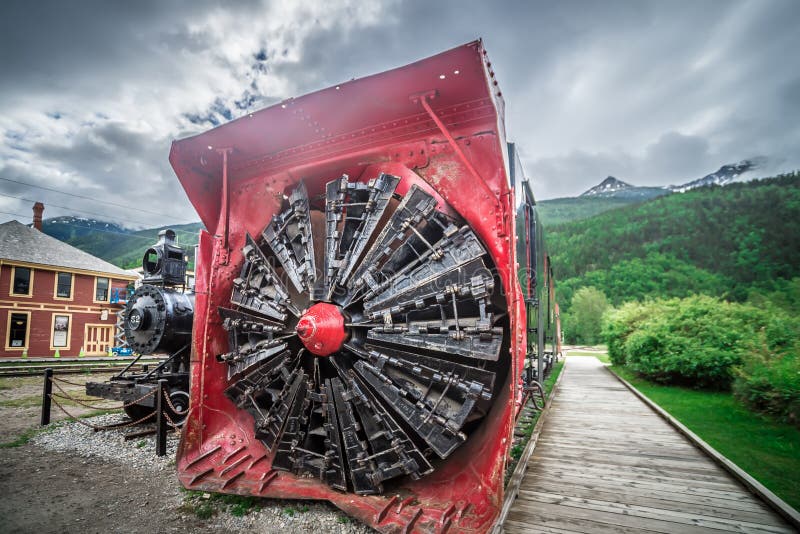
{"x":606,"y":463}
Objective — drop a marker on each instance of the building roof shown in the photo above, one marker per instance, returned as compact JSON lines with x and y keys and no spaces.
{"x":21,"y":243}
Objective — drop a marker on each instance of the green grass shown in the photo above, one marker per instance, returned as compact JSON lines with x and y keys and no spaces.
{"x":767,"y":450}
{"x":22,"y":402}
{"x":21,"y":439}
{"x":206,"y":505}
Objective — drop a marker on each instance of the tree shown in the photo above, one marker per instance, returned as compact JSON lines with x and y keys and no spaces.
{"x":588,"y":306}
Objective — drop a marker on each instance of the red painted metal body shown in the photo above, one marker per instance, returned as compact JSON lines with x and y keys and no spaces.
{"x":437,"y":123}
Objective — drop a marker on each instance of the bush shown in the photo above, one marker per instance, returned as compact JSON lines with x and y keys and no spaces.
{"x":619,"y":323}
{"x":769,"y":378}
{"x":695,"y":341}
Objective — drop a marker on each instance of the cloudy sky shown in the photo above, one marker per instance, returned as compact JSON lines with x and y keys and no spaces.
{"x":92,"y":93}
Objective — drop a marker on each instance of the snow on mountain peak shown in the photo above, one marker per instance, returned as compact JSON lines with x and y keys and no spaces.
{"x":724,"y":175}
{"x":609,"y":185}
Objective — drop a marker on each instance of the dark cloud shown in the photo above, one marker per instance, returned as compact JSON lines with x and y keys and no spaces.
{"x":93,"y":92}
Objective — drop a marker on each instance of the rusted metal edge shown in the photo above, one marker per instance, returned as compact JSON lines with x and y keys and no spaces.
{"x":512,"y":489}
{"x":753,"y":485}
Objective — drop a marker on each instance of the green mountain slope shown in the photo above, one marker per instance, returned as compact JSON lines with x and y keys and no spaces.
{"x":562,"y":210}
{"x":717,"y":240}
{"x":122,"y":247}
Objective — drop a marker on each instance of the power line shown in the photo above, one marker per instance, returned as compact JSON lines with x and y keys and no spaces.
{"x":89,"y":212}
{"x":128,"y":207}
{"x":15,"y":214}
{"x":150,"y":239}
{"x":75,"y":209}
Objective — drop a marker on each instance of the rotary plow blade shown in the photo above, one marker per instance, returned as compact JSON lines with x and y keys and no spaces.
{"x":332,"y":395}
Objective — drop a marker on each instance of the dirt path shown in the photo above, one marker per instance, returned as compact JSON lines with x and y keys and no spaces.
{"x":68,"y":478}
{"x":47,"y":492}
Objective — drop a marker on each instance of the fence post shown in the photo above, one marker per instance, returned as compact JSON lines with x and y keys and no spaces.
{"x":161,"y":420}
{"x":47,"y":390}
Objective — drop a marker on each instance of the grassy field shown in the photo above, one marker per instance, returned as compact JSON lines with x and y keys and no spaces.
{"x":769,"y":451}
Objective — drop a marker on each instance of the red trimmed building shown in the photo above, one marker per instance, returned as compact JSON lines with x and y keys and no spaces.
{"x":53,"y":296}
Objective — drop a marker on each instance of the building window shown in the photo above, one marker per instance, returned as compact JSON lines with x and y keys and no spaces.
{"x":64,"y":285}
{"x":101,"y":289}
{"x":21,"y":281}
{"x":60,"y":338}
{"x":17,"y":330}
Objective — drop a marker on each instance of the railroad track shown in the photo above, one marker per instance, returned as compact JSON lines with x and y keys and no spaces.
{"x":37,"y":367}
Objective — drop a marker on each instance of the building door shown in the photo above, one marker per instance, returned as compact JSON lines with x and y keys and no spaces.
{"x":97,"y":339}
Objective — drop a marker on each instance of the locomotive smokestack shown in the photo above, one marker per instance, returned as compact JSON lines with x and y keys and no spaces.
{"x":38,"y":209}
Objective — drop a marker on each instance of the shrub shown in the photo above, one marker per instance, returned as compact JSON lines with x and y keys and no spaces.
{"x":695,"y":341}
{"x":769,"y":378}
{"x":619,"y":323}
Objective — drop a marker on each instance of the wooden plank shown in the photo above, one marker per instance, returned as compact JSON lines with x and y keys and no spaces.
{"x":686,"y":487}
{"x":647,"y":512}
{"x":611,"y":435}
{"x":688,"y":494}
{"x":664,"y":501}
{"x":528,"y":512}
{"x":631,"y":472}
{"x":624,"y":461}
{"x":547,"y":523}
{"x":676,"y":451}
{"x":775,"y":502}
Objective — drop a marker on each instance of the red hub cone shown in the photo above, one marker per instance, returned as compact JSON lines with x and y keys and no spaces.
{"x":321,"y":329}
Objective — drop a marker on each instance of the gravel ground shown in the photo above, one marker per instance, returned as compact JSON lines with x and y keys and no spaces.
{"x":71,"y":479}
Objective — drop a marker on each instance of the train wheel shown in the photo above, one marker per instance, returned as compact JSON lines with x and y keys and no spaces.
{"x":137,"y":412}
{"x":179,"y":400}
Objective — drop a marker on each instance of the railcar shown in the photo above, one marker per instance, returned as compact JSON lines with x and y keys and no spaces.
{"x":373,"y":299}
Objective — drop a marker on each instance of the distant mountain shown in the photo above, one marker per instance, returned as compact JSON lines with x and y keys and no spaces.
{"x":69,"y":227}
{"x":613,"y":193}
{"x":725,"y":175}
{"x":114,"y":243}
{"x":607,"y":186}
{"x":615,"y":188}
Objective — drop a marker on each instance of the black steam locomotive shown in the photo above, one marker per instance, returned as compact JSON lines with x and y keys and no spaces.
{"x":157,"y":320}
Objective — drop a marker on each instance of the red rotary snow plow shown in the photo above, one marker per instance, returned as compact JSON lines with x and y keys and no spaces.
{"x":359,"y":331}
